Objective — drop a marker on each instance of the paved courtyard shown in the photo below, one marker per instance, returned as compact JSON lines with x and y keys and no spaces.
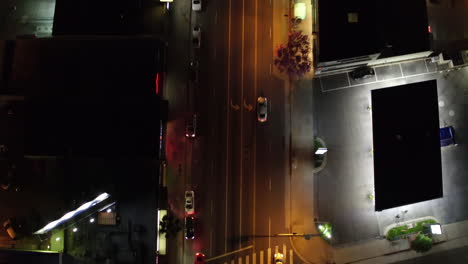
{"x":343,"y":120}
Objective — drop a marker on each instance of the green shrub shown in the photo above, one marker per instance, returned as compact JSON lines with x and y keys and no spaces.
{"x":398,"y":231}
{"x":422,"y":243}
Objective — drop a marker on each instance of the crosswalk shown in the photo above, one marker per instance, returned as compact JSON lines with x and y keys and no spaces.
{"x":257,"y":257}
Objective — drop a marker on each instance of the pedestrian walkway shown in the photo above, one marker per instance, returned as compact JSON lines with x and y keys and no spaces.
{"x":256,"y":257}
{"x":378,"y":251}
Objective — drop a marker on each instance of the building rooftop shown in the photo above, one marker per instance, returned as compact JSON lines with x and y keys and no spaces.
{"x":362,"y":27}
{"x":407,"y":152}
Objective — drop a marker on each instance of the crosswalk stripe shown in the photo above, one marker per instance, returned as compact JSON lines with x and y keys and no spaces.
{"x":284,"y":251}
{"x":252,"y":259}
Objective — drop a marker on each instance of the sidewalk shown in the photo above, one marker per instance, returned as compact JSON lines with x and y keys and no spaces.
{"x":383,"y":251}
{"x":283,"y":12}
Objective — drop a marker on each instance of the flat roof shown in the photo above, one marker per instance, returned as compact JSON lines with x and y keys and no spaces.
{"x":356,"y":28}
{"x":92,"y":95}
{"x":407,"y":152}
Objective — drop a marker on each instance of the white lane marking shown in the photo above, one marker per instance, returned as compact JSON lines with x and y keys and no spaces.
{"x":269,"y":255}
{"x":241,"y":125}
{"x":269,"y":233}
{"x":239,"y":260}
{"x":254,"y":258}
{"x":284,"y":251}
{"x":270,"y":32}
{"x":291,"y":256}
{"x":261,"y":256}
{"x":254,"y":131}
{"x":247,"y":259}
{"x":227,"y":125}
{"x":211,"y":242}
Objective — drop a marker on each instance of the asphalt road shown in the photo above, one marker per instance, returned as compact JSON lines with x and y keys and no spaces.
{"x":237,"y":165}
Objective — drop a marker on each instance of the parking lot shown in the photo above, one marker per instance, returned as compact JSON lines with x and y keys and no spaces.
{"x":344,"y":188}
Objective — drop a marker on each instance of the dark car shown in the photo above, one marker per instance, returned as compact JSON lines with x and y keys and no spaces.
{"x":199,"y":258}
{"x":191,"y":127}
{"x":196,"y":37}
{"x":189,"y":227}
{"x":363,"y":72}
{"x":262,"y":109}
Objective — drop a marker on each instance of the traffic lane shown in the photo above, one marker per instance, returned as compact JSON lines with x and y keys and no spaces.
{"x":235,"y":159}
{"x":264,"y":213}
{"x":203,"y":92}
{"x":212,"y":99}
{"x":248,"y":119}
{"x":262,"y":190}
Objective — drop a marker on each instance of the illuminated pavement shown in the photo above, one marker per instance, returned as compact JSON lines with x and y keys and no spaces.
{"x":26,"y":17}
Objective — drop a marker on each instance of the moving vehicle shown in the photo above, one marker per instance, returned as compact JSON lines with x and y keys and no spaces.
{"x":262,"y":109}
{"x":196,"y":5}
{"x":189,"y":202}
{"x":189,"y":227}
{"x":196,"y":37}
{"x":199,"y":258}
{"x":279,"y":258}
{"x":191,"y":127}
{"x":362,"y":72}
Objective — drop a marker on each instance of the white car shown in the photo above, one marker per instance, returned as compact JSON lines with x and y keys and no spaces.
{"x":196,"y":37}
{"x":279,"y":258}
{"x":189,"y":202}
{"x":262,"y":109}
{"x":196,"y":5}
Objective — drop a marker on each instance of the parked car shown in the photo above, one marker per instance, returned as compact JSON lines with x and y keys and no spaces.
{"x":362,"y":72}
{"x":11,"y":186}
{"x":189,"y":202}
{"x":8,"y":225}
{"x":199,"y":258}
{"x":447,"y":136}
{"x":196,"y":37}
{"x":262,"y":109}
{"x":191,"y":127}
{"x":196,"y":5}
{"x":189,"y":227}
{"x":279,"y":258}
{"x":194,"y":64}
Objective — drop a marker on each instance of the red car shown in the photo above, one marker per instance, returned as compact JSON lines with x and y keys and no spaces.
{"x":199,"y":258}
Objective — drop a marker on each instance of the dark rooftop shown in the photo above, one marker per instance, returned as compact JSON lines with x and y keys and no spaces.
{"x":399,"y":23}
{"x":407,"y":159}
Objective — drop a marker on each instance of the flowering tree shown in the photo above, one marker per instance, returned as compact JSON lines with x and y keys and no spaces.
{"x":294,"y":59}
